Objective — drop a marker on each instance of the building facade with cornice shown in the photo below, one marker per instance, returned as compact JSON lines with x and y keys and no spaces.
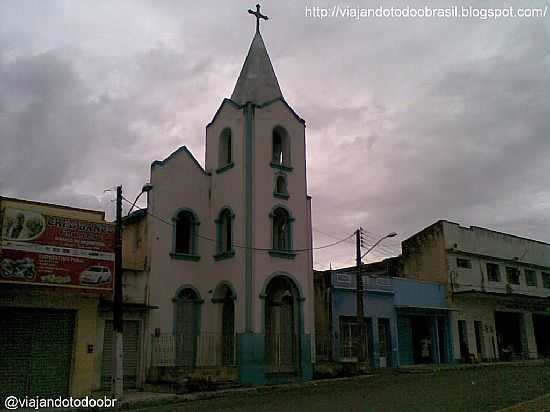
{"x":497,"y":284}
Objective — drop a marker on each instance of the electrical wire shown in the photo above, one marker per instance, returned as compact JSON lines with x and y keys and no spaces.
{"x":246,"y":247}
{"x":383,"y":249}
{"x":329,"y":235}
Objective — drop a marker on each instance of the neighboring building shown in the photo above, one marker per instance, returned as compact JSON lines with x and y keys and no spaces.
{"x":135,"y":311}
{"x":498,"y":285}
{"x":407,"y":320}
{"x":226,"y":249}
{"x":56,"y":263}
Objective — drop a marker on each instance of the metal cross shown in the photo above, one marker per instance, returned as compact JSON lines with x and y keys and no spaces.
{"x":258,"y":16}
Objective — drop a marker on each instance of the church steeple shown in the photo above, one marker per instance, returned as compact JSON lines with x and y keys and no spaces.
{"x":257,"y":82}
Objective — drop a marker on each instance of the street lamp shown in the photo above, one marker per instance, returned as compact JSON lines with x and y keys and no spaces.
{"x":145,"y":189}
{"x":392,"y":234}
{"x":359,"y":295}
{"x":117,"y":369}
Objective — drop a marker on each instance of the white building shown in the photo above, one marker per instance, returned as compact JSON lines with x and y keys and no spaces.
{"x":498,"y":285}
{"x":227,"y":246}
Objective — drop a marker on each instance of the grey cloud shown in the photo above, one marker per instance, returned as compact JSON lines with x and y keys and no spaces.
{"x":407,"y":121}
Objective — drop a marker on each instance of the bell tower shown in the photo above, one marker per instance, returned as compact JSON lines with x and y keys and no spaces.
{"x":256,"y":154}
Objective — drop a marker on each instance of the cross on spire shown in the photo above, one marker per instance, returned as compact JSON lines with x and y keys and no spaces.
{"x":258,"y":17}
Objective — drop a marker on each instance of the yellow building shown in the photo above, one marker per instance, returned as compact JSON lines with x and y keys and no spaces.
{"x":55,"y":264}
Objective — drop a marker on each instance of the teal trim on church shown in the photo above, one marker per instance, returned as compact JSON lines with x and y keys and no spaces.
{"x":240,"y":312}
{"x":253,"y":369}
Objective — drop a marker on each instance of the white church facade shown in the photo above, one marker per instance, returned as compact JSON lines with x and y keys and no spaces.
{"x":227,"y":247}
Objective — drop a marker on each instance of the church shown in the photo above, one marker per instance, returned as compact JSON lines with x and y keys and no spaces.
{"x":227,"y":248}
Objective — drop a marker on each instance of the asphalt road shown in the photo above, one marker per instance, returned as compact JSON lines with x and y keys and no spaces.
{"x":483,"y":389}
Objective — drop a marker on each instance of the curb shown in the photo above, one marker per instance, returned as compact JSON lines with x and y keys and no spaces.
{"x":198,"y":396}
{"x":460,"y":367}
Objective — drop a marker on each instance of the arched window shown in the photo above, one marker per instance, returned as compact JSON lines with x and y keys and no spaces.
{"x":281,"y":148}
{"x":225,"y":157}
{"x":280,"y":187}
{"x":281,"y":230}
{"x":185,"y":235}
{"x":225,"y":234}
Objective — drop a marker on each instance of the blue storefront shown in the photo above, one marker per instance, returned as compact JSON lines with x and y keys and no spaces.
{"x":407,"y":320}
{"x":423,"y":322}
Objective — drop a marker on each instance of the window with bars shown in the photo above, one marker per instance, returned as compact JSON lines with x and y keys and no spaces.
{"x":493,"y":272}
{"x":512,"y":275}
{"x":530,"y":277}
{"x":464,"y":263}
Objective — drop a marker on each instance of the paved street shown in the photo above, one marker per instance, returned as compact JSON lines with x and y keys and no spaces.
{"x":482,"y":389}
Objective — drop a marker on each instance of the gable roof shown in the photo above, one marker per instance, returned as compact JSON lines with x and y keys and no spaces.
{"x":183,"y":149}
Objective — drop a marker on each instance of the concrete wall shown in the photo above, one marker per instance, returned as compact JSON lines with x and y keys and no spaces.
{"x":481,"y":246}
{"x":481,"y":241}
{"x":424,"y":255}
{"x":322,"y":304}
{"x":134,"y":240}
{"x":178,"y":182}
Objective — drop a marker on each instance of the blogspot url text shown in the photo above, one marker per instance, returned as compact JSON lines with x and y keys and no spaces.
{"x":451,"y":12}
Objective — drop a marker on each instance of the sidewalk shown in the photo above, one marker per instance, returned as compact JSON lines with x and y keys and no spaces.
{"x":137,"y":399}
{"x":134,"y":399}
{"x":431,"y":368}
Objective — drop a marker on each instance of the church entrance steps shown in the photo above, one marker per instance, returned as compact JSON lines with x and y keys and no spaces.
{"x":182,"y":380}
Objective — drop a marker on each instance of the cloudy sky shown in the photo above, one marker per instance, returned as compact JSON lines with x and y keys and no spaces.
{"x":408,"y":120}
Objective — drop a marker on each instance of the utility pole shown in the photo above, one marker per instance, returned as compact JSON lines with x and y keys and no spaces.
{"x":359,"y":243}
{"x":359,"y":295}
{"x":117,"y":366}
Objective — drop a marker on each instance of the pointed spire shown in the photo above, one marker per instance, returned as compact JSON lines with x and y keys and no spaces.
{"x":257,"y":82}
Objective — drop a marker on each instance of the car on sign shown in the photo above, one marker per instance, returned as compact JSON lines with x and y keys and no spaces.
{"x":95,"y":275}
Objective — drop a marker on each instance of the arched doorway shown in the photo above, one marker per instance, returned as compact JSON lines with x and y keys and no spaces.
{"x":228,"y":328}
{"x":187,"y":327}
{"x":225,"y":296}
{"x":281,"y":326}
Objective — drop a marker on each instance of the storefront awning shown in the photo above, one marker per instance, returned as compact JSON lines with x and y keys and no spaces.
{"x":105,"y":306}
{"x":420,"y":309}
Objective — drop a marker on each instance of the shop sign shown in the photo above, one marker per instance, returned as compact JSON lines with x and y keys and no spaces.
{"x":38,"y":248}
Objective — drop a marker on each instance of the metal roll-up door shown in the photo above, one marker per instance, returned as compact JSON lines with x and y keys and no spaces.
{"x":130,"y":344}
{"x":36,"y":347}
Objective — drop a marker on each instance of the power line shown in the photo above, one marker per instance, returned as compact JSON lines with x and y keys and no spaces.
{"x":388,"y":248}
{"x":329,"y":235}
{"x":246,"y":247}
